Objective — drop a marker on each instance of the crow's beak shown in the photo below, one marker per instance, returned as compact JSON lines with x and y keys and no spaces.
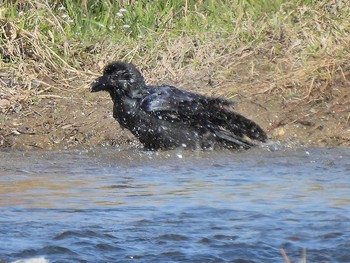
{"x":99,"y":84}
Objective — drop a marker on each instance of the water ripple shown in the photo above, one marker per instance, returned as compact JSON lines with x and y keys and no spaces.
{"x":106,"y":205}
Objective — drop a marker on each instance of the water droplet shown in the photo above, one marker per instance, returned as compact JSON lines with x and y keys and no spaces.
{"x":179,"y":155}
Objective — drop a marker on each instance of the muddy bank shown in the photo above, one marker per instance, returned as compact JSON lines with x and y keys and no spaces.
{"x":79,"y":119}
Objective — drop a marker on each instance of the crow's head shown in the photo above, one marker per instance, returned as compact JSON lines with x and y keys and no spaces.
{"x":119,"y":77}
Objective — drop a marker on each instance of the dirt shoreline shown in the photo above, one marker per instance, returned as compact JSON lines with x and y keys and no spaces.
{"x":78,"y":119}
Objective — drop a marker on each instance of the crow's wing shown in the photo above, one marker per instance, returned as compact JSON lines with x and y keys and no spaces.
{"x":168,"y":98}
{"x":170,"y":103}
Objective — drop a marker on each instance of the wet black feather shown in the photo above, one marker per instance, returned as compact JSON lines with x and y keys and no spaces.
{"x":165,"y":117}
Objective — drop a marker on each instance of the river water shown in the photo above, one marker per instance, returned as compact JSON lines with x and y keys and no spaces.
{"x":127,"y":205}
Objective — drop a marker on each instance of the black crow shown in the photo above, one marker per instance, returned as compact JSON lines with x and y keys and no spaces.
{"x":165,"y":117}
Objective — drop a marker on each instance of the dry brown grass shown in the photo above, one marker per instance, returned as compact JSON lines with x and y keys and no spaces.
{"x":302,"y":58}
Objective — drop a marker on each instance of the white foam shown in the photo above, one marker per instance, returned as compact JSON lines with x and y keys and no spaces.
{"x":32,"y":260}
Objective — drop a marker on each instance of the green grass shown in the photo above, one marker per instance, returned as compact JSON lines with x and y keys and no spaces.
{"x":98,"y":18}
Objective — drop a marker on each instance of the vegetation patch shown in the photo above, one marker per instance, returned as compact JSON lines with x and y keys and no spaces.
{"x":286,"y":62}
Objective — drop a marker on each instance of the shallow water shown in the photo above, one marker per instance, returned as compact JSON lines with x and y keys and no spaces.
{"x":111,"y":205}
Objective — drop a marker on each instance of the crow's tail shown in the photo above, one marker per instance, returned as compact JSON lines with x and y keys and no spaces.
{"x":240,"y":124}
{"x":231,"y":121}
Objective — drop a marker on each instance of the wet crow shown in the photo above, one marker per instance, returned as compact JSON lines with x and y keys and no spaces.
{"x":165,"y":117}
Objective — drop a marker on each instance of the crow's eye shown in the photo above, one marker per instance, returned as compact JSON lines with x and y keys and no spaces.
{"x":114,"y":78}
{"x":126,"y":76}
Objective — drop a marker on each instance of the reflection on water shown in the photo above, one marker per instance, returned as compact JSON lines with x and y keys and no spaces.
{"x":111,"y":205}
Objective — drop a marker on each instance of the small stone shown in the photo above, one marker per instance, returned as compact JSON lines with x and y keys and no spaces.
{"x":280,"y":132}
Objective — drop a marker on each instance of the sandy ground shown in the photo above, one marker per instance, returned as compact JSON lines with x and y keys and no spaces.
{"x":78,"y":119}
